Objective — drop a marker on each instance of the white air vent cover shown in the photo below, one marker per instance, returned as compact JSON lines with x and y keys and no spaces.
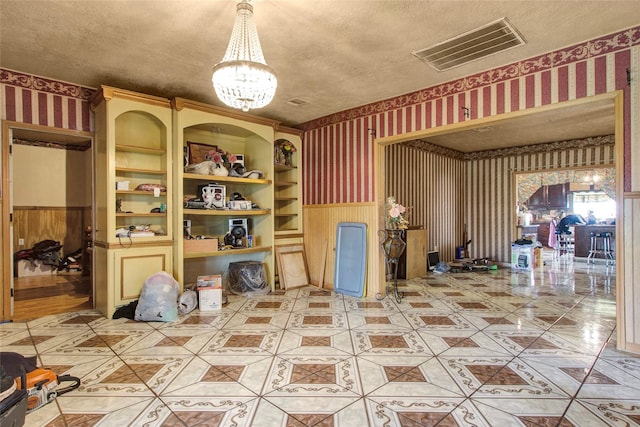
{"x":495,"y":37}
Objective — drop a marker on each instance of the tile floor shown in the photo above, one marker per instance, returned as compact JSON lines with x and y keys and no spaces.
{"x":469,"y":349}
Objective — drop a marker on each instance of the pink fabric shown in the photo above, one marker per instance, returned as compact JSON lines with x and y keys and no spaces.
{"x":552,"y":234}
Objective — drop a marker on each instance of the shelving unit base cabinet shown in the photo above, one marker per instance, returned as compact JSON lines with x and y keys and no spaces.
{"x":120,"y":273}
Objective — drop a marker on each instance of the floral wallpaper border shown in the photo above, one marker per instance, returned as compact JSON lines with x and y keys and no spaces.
{"x":512,"y":151}
{"x":528,"y":183}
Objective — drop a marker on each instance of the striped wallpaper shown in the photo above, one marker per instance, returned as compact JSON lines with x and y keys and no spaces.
{"x":430,"y":185}
{"x":445,"y":193}
{"x":342,"y":142}
{"x":489,"y":208}
{"x":36,"y":100}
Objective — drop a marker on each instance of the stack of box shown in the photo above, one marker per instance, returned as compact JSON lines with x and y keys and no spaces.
{"x":522,"y":257}
{"x":209,"y":292}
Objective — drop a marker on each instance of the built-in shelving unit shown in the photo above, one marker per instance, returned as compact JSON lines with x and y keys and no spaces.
{"x":133,"y":150}
{"x":235,"y":133}
{"x":287,"y":185}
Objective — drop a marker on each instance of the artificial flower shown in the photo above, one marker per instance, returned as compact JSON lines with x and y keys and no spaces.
{"x":394,"y":215}
{"x":220,"y":157}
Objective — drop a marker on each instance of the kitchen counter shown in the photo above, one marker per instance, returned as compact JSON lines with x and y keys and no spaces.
{"x":583,"y":236}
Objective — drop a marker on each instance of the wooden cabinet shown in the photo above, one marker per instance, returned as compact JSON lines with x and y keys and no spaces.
{"x":236,"y":133}
{"x":557,"y":196}
{"x":543,"y":233}
{"x":413,"y":262}
{"x":539,"y":198}
{"x":549,"y":197}
{"x":121,"y":273}
{"x":132,"y":158}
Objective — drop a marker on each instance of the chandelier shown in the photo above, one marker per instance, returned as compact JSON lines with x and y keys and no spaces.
{"x":243,"y":79}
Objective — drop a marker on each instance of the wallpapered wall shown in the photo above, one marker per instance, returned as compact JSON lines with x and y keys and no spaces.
{"x":490,"y":200}
{"x":429,"y":183}
{"x":41,"y":101}
{"x":342,"y":142}
{"x":447,"y":191}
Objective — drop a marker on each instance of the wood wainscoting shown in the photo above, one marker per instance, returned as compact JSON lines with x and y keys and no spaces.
{"x":321,"y":223}
{"x":63,"y":224}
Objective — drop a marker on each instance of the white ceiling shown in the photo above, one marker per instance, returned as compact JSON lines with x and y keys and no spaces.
{"x":335,"y":54}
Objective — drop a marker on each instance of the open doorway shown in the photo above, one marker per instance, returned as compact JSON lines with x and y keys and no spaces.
{"x":545,"y":197}
{"x":47,"y":219}
{"x":489,"y":204}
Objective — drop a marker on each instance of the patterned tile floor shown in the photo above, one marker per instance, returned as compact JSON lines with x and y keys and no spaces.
{"x":496,"y":348}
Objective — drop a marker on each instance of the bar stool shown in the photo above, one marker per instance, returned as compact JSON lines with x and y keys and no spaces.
{"x":600,"y":244}
{"x":564,"y":244}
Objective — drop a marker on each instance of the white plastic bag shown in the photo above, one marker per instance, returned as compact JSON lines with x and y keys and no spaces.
{"x":158,"y":300}
{"x":187,"y":302}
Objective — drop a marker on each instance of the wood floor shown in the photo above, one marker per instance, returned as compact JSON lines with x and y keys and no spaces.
{"x":56,"y":293}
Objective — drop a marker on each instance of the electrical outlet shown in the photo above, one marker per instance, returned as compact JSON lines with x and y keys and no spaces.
{"x":20,"y":242}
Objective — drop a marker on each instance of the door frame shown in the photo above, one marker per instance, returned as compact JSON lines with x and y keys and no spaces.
{"x":616,"y":98}
{"x":6,"y":201}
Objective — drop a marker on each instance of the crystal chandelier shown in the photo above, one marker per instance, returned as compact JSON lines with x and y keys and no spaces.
{"x":243,"y":79}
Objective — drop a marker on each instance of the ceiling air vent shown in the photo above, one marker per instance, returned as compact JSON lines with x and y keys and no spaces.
{"x":490,"y":39}
{"x":296,"y":102}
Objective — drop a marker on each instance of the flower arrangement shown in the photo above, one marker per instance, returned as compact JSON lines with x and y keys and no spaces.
{"x":283,"y":151}
{"x":286,"y":146}
{"x":221,"y":158}
{"x":394,"y":215}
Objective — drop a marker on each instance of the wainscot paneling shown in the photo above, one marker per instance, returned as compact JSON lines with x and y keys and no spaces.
{"x":63,"y":224}
{"x":628,"y":301}
{"x":321,"y":223}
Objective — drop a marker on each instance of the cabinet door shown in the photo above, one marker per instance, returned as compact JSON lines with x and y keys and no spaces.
{"x":416,"y":253}
{"x":538,"y":198}
{"x":132,"y":266}
{"x":556,"y":196}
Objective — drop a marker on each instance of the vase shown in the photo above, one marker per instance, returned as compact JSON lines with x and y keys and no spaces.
{"x":288,"y":158}
{"x":392,"y":243}
{"x":220,"y":170}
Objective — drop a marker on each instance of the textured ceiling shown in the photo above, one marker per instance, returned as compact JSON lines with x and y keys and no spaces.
{"x":334,"y":54}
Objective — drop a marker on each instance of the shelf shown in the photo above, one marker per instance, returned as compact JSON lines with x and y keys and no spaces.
{"x":226,"y":212}
{"x":217,"y":178}
{"x":228,"y":252}
{"x":281,"y":215}
{"x":284,"y":183}
{"x":144,"y":150}
{"x":150,"y":214}
{"x":285,"y":199}
{"x":145,"y":171}
{"x":280,"y":168}
{"x":143,"y":193}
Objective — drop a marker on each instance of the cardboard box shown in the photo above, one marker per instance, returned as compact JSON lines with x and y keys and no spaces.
{"x":209,"y":298}
{"x":27,"y":268}
{"x":212,"y":280}
{"x":192,"y":246}
{"x":122,"y":185}
{"x":522,"y":257}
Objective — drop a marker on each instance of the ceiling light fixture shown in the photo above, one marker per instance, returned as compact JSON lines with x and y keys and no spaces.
{"x":243,"y":79}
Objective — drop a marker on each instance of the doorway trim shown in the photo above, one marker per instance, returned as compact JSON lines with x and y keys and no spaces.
{"x":6,"y":269}
{"x":616,"y":98}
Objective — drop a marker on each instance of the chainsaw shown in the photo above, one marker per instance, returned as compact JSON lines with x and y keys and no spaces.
{"x":42,"y":386}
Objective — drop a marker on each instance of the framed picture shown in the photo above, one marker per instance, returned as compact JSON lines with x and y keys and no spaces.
{"x":198,"y":152}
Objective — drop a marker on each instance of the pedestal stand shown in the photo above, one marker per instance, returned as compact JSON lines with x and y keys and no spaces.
{"x":393,"y":246}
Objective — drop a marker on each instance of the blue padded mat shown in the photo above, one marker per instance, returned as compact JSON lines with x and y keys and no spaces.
{"x":351,"y":258}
